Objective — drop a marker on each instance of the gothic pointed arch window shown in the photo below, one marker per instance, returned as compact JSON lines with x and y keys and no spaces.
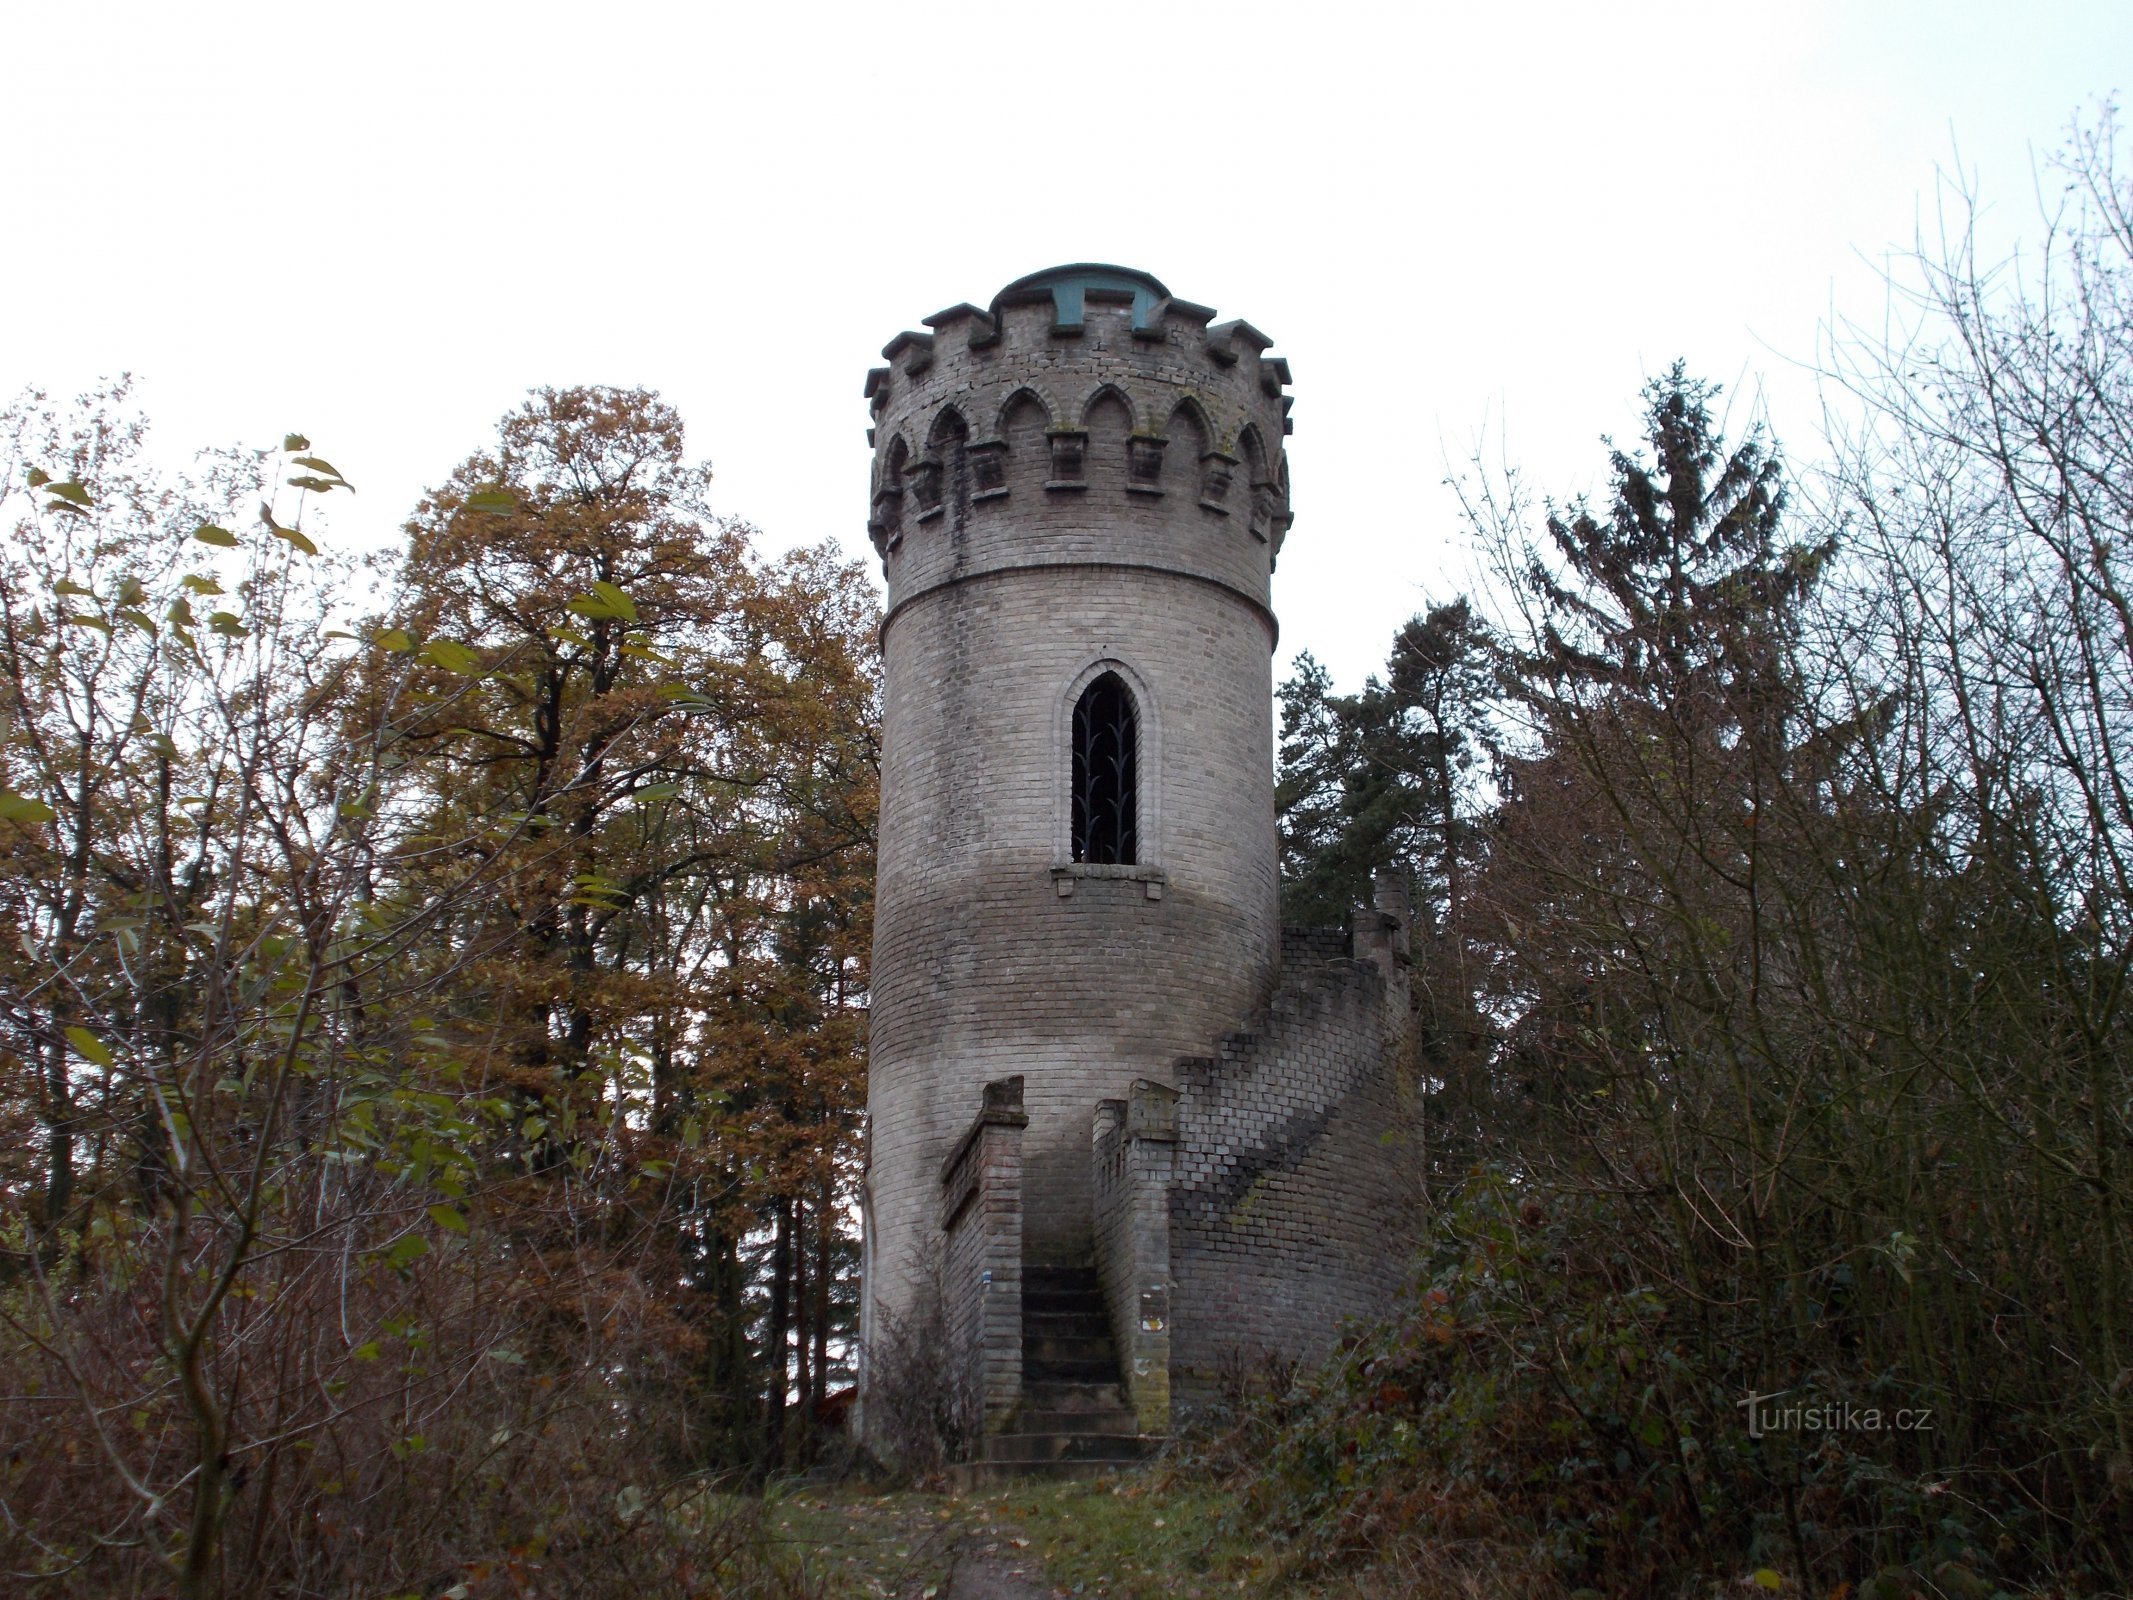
{"x":1106,"y":780}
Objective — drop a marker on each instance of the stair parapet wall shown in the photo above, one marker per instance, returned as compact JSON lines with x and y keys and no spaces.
{"x":981,"y":1268}
{"x":1134,"y":1163}
{"x":1294,"y":1207}
{"x":1308,"y":947}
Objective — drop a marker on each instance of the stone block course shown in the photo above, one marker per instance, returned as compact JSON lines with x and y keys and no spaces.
{"x":1088,"y":477}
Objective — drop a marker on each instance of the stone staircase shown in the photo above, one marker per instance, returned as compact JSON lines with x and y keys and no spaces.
{"x":1074,"y":1417}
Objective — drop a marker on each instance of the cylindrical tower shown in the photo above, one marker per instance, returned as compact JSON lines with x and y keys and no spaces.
{"x":1078,"y":496}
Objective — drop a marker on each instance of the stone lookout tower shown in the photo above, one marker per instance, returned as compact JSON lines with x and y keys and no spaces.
{"x":1078,"y":496}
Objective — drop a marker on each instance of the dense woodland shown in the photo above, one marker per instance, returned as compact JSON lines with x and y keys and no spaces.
{"x":1776,"y":830}
{"x":432,"y":1044}
{"x":435,"y":1040}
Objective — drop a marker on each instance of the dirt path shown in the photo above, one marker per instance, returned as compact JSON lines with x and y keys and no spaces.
{"x":912,"y":1547}
{"x":1097,"y":1539}
{"x":987,"y":1569}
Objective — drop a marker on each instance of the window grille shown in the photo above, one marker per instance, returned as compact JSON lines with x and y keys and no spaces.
{"x":1106,"y":753}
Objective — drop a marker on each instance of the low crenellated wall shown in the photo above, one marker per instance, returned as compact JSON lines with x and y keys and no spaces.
{"x":981,"y":1265}
{"x":1133,"y":1152}
{"x":1295,"y":1209}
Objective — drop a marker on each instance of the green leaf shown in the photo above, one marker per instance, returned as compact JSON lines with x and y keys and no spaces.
{"x":655,"y":791}
{"x":685,"y":698}
{"x":71,"y":492}
{"x":492,"y":502}
{"x":89,"y":1047}
{"x":452,"y":656}
{"x":79,"y":591}
{"x":508,"y":1356}
{"x":394,"y":640}
{"x":406,"y":1251}
{"x":21,"y":808}
{"x":39,"y":479}
{"x":208,"y":533}
{"x":139,"y":620}
{"x":449,"y":1218}
{"x":605,"y":602}
{"x":369,"y":1351}
{"x":295,"y":441}
{"x":1765,"y":1578}
{"x":623,"y":605}
{"x":84,"y":620}
{"x":229,"y":624}
{"x":327,"y":468}
{"x":298,"y":538}
{"x":317,"y":485}
{"x":199,"y":585}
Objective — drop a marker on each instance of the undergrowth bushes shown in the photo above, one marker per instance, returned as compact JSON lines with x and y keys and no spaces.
{"x":1543,"y":1413}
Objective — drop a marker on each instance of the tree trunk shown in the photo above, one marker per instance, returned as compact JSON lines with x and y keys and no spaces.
{"x":775,"y":1345}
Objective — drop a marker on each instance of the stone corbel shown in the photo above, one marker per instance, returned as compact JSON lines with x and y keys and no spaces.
{"x":886,"y":526}
{"x":1217,"y":468}
{"x":1144,"y":464}
{"x":1069,"y":454}
{"x":988,"y":469}
{"x":925,"y":476}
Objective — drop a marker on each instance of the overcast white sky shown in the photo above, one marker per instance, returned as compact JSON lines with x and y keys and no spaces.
{"x":380,"y":224}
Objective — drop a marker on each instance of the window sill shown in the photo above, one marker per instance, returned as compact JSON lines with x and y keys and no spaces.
{"x":1065,"y":874}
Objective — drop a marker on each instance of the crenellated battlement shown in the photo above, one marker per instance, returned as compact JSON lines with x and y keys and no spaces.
{"x":1084,"y":405}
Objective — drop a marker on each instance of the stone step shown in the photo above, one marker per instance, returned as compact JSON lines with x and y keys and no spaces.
{"x":1117,"y":1449}
{"x":1111,"y":1419}
{"x":1062,"y":1293}
{"x":970,"y":1477}
{"x":1064,"y":1306}
{"x":1060,"y":1279}
{"x":1071,"y":1372}
{"x":1039,"y":1351}
{"x":1065,"y":1324}
{"x":1041,"y":1395}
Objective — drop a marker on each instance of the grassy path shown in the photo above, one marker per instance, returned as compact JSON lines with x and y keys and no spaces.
{"x":1120,"y":1539}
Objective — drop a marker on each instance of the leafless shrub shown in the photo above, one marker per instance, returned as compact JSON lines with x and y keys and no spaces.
{"x":916,"y":1416}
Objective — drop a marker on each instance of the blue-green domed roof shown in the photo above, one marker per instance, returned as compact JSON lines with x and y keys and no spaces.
{"x":1069,"y":286}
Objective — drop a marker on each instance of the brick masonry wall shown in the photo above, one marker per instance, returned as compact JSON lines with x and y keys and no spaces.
{"x":1134,"y":1156}
{"x":1308,"y":947}
{"x":981,"y":1264}
{"x":994,"y":954}
{"x":1295,"y":1207}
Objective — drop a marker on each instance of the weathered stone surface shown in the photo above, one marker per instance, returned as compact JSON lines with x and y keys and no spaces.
{"x":1087,"y":477}
{"x":981,"y":1261}
{"x":1003,"y":604}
